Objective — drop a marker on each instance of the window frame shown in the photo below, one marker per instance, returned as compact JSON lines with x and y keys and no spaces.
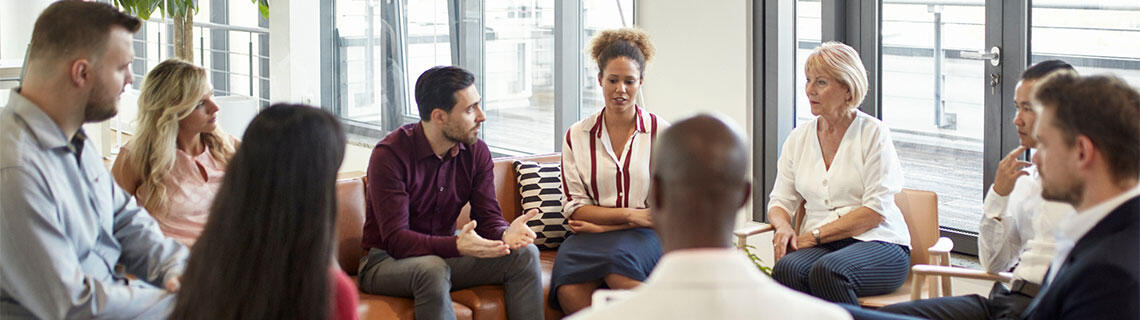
{"x":467,"y":51}
{"x":858,"y":23}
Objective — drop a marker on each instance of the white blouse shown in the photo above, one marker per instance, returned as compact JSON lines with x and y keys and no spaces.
{"x":592,"y":174}
{"x":864,"y":173}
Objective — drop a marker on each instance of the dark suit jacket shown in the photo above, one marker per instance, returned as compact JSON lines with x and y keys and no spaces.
{"x":1100,"y":278}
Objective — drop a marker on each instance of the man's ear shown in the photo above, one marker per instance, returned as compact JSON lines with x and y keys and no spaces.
{"x":79,"y":73}
{"x":438,"y":116}
{"x":1086,"y":151}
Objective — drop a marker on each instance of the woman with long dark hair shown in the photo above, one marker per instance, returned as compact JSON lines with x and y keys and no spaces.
{"x":267,"y":250}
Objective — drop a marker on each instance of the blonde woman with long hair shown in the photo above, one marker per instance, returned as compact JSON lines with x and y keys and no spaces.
{"x":176,"y":162}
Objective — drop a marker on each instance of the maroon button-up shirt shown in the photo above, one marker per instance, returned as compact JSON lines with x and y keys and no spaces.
{"x":414,"y":197}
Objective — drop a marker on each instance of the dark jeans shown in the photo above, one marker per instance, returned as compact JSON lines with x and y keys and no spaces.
{"x":430,"y":279}
{"x":1001,"y":304}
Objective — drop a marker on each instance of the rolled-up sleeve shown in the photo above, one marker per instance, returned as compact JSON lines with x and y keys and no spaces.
{"x":146,"y":251}
{"x":388,"y":196}
{"x":38,"y":268}
{"x":484,"y":205}
{"x":882,"y":173}
{"x":573,"y":184}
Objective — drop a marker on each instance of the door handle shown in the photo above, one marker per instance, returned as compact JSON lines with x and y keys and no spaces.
{"x":994,"y":55}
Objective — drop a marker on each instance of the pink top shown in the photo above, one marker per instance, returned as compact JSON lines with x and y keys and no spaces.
{"x":345,"y":296}
{"x":190,"y":189}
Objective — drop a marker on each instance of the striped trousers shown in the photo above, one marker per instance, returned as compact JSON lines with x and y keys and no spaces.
{"x":841,"y":271}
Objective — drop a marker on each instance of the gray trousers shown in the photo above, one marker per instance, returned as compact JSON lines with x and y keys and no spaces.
{"x":430,"y":279}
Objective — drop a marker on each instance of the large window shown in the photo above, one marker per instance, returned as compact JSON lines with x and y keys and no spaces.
{"x":230,"y":40}
{"x":380,"y":49}
{"x":934,"y":104}
{"x":942,"y":77}
{"x":599,"y":15}
{"x":809,"y":31}
{"x":518,"y":93}
{"x":1101,"y":37}
{"x":364,"y":69}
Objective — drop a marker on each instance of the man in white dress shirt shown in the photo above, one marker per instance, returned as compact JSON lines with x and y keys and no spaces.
{"x":64,"y":222}
{"x":699,"y":182}
{"x":1016,"y":229}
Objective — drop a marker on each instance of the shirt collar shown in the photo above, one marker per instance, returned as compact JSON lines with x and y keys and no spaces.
{"x":706,"y":266}
{"x":639,"y":122}
{"x":46,"y":132}
{"x":423,"y":147}
{"x":1077,"y":225}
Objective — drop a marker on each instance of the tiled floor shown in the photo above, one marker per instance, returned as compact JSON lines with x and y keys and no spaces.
{"x":967,"y":261}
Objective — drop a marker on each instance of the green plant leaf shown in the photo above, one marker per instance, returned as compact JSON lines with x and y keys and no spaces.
{"x":263,"y":7}
{"x":759,"y":263}
{"x":149,"y":6}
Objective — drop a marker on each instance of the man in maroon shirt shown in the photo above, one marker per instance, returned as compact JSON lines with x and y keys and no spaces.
{"x":419,"y":178}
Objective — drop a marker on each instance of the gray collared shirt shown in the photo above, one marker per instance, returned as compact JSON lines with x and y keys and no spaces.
{"x":65,"y":224}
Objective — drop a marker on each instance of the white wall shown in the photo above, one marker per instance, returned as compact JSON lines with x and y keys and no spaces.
{"x":703,"y":61}
{"x":703,"y":58}
{"x":356,"y":156}
{"x":16,"y":21}
{"x":294,"y":52}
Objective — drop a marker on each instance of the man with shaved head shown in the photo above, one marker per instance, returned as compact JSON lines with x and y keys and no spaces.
{"x":700,"y":181}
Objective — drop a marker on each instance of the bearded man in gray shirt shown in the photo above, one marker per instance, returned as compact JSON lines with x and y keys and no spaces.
{"x":64,"y":223}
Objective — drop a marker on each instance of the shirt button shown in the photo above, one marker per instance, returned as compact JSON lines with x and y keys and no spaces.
{"x":440,"y":189}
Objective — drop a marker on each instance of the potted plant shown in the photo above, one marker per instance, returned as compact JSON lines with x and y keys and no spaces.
{"x":182,"y":11}
{"x":756,"y":260}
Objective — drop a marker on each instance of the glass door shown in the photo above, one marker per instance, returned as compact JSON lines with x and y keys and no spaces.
{"x":934,"y":91}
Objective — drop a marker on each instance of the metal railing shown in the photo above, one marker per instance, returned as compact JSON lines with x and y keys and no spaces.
{"x":940,"y":53}
{"x":207,"y":56}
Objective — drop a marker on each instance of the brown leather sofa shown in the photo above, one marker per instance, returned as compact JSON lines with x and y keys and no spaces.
{"x":478,"y":303}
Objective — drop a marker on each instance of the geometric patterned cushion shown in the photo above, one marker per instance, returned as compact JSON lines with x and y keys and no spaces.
{"x":540,"y":185}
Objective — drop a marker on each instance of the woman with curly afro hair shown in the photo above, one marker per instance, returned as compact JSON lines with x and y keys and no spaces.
{"x":605,"y":176}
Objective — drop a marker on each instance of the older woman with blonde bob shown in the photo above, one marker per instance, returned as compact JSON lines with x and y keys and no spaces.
{"x":842,"y":167}
{"x":177,"y":159}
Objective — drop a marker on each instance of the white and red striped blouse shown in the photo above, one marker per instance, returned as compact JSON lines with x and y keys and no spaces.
{"x":593,"y":174}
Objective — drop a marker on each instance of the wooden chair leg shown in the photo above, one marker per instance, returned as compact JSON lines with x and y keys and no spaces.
{"x":916,"y":286}
{"x":946,"y":290}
